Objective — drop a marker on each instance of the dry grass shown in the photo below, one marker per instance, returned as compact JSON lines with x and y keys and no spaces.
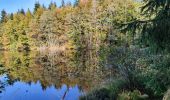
{"x":52,"y":48}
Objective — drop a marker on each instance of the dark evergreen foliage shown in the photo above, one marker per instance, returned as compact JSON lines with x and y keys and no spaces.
{"x":37,"y":5}
{"x":76,"y":3}
{"x":3,"y":16}
{"x":62,"y":3}
{"x":154,"y":28}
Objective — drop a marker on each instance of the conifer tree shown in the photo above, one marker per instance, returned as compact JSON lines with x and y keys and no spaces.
{"x":52,"y":5}
{"x":3,"y":16}
{"x":37,"y":5}
{"x":28,"y":14}
{"x":154,"y":26}
{"x":62,"y":3}
{"x":76,"y":3}
{"x":11,"y":16}
{"x":22,"y":11}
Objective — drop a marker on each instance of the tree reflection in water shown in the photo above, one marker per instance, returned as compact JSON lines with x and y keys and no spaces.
{"x":53,"y":69}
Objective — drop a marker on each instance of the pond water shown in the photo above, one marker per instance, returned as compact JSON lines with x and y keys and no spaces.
{"x":49,"y":75}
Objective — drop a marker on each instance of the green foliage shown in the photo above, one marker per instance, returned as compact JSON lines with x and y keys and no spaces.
{"x":155,"y":75}
{"x":151,"y":30}
{"x":108,"y":92}
{"x":101,"y":94}
{"x":153,"y":26}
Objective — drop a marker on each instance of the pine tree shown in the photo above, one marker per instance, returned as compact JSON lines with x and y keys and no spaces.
{"x":28,"y":16}
{"x":52,"y":5}
{"x":22,"y":11}
{"x":76,"y":3}
{"x":3,"y":16}
{"x":28,"y":13}
{"x":62,"y":3}
{"x":11,"y":16}
{"x":37,"y":5}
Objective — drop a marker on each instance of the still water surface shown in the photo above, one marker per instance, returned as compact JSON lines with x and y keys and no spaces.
{"x":48,"y":75}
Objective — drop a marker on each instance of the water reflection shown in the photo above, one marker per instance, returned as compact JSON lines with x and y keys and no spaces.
{"x":48,"y":75}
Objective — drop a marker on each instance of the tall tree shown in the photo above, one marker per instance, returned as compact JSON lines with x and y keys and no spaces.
{"x":11,"y":16}
{"x":76,"y":3}
{"x":28,"y":14}
{"x":36,"y":6}
{"x":62,"y":3}
{"x":22,"y":11}
{"x":3,"y":16}
{"x":52,"y":6}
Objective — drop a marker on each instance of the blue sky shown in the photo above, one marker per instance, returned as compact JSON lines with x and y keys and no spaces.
{"x":13,"y":5}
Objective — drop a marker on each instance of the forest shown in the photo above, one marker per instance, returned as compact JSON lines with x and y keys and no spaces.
{"x":131,"y":38}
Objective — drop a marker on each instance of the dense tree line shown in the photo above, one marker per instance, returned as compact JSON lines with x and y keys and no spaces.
{"x":86,"y":24}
